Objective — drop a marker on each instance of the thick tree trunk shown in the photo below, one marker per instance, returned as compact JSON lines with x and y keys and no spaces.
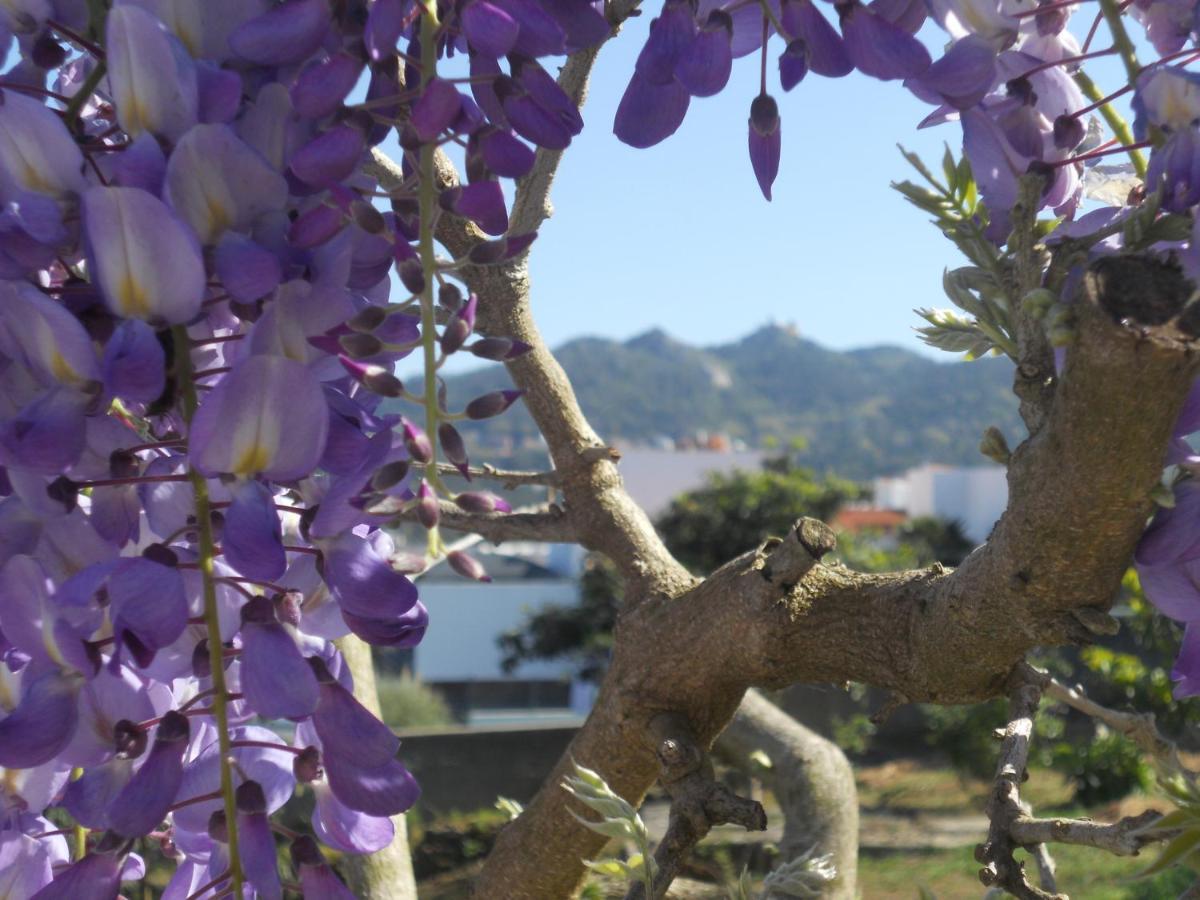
{"x":388,"y":874}
{"x":812,"y":780}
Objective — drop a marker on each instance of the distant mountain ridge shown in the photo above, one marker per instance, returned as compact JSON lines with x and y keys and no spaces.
{"x":863,"y":412}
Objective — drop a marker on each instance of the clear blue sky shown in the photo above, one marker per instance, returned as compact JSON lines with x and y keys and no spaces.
{"x":679,"y":237}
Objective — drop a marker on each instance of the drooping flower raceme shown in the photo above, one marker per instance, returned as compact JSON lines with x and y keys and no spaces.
{"x":198,"y":325}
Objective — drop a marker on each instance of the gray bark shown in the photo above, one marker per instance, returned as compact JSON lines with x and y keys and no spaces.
{"x":388,"y":874}
{"x":811,"y":779}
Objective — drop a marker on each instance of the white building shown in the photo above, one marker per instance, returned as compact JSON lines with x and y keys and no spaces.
{"x":974,"y":496}
{"x":654,"y":477}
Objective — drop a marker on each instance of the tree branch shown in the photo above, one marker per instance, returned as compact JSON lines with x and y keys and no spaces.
{"x":1122,"y":838}
{"x":548,"y":523}
{"x":506,"y":477}
{"x":1079,"y":499}
{"x":698,"y":801}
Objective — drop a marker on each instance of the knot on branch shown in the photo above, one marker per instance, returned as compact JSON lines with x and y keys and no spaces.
{"x":1142,"y":290}
{"x":784,"y":561}
{"x":698,"y":801}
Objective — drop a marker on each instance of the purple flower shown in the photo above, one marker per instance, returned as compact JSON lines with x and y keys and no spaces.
{"x":316,"y":878}
{"x":134,"y":364}
{"x":765,"y":141}
{"x":961,"y":78}
{"x":146,"y":262}
{"x":142,"y":804}
{"x":347,"y":830}
{"x":256,"y":843}
{"x":152,"y":76}
{"x":247,"y":270}
{"x":43,"y":722}
{"x":330,"y":157}
{"x":267,"y":417}
{"x":877,"y":47}
{"x":95,"y":877}
{"x":823,"y":46}
{"x":454,"y":448}
{"x":215,"y":181}
{"x":322,"y":86}
{"x":287,"y":33}
{"x":489,"y":29}
{"x":704,"y":65}
{"x":488,"y":405}
{"x":148,"y":606}
{"x":252,"y":538}
{"x":650,"y":113}
{"x":276,"y":680}
{"x":37,"y":152}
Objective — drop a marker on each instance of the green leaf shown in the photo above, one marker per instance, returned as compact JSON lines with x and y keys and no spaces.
{"x":1179,"y":818}
{"x":950,"y":168}
{"x":1174,"y":853}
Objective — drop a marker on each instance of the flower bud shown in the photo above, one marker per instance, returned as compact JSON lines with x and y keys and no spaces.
{"x":460,"y":326}
{"x":306,"y":767}
{"x":450,"y":298}
{"x":499,"y":349}
{"x":389,"y":475}
{"x":467,"y":566}
{"x":129,"y":739}
{"x":455,"y":449}
{"x":1069,"y":132}
{"x":201,"y":660}
{"x":375,"y":379}
{"x":412,"y":276}
{"x":482,"y":502}
{"x":368,"y":318}
{"x":360,"y":346}
{"x":428,"y":513}
{"x":1038,"y":302}
{"x":492,"y":404}
{"x":416,"y":442}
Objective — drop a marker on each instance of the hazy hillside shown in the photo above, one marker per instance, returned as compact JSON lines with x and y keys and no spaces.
{"x":863,"y":412}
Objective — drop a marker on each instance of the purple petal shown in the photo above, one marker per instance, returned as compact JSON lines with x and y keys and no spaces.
{"x":267,"y":417}
{"x":671,"y":33}
{"x":384,"y":790}
{"x":141,"y":165}
{"x":962,"y":77}
{"x":1174,"y":533}
{"x":287,"y":33}
{"x":330,"y":157}
{"x":650,"y":113}
{"x":347,"y":729}
{"x":252,"y":538}
{"x":272,"y":769}
{"x":143,"y":803}
{"x":585,"y":26}
{"x":347,"y":830}
{"x":793,"y":64}
{"x":1174,"y":588}
{"x":322,"y":87}
{"x":256,"y":842}
{"x":134,"y":363}
{"x":436,"y":108}
{"x":540,"y":34}
{"x":276,"y":680}
{"x":146,"y":261}
{"x":89,"y":798}
{"x":316,"y":878}
{"x":153,"y":79}
{"x":43,"y":722}
{"x":880,"y":49}
{"x":1186,"y":671}
{"x":149,"y":606}
{"x":703,"y":67}
{"x":216,"y":181}
{"x":482,"y":203}
{"x":385,"y":22}
{"x":48,"y":435}
{"x":405,"y":630}
{"x":37,"y":152}
{"x":95,"y":877}
{"x":247,"y":270}
{"x":363,"y":582}
{"x":219,"y":92}
{"x":489,"y":29}
{"x":504,"y":155}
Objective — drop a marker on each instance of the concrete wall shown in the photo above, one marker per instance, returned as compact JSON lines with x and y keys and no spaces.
{"x":465,"y":619}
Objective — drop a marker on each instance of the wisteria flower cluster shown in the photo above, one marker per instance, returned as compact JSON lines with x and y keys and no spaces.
{"x":198,"y":331}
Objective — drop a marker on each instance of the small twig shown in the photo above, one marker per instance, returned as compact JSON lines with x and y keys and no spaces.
{"x":1123,"y":838}
{"x":698,"y":801}
{"x":1137,"y":727}
{"x":508,"y":478}
{"x":548,"y":523}
{"x":1000,"y":868}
